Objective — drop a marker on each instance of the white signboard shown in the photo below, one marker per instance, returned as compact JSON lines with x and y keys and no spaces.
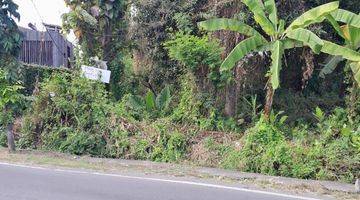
{"x":94,"y":73}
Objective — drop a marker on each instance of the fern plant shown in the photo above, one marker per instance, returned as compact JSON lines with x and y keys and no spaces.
{"x":276,"y":39}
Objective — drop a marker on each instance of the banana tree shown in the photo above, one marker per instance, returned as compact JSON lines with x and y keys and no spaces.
{"x":350,"y":33}
{"x":276,"y":39}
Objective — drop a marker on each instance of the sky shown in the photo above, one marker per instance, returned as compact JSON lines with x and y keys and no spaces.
{"x":49,"y":10}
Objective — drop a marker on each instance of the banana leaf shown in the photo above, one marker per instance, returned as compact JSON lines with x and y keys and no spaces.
{"x":307,"y":37}
{"x":241,"y":50}
{"x":276,"y":57}
{"x":228,"y":24}
{"x":315,"y":15}
{"x":346,"y":17}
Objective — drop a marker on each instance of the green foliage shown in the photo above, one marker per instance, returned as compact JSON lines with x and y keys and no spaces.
{"x":3,"y":138}
{"x":32,"y":76}
{"x":328,"y":151}
{"x":85,"y":16}
{"x":72,"y":114}
{"x":258,"y":142}
{"x":100,"y":28}
{"x":188,"y":109}
{"x":154,"y":105}
{"x":69,"y":113}
{"x":10,"y":94}
{"x":141,"y":149}
{"x":10,"y":38}
{"x":163,"y":100}
{"x":350,"y":33}
{"x":194,"y":52}
{"x":151,"y":27}
{"x":183,"y":22}
{"x":80,"y":143}
{"x":276,"y":39}
{"x":295,"y":31}
{"x":300,"y":107}
{"x":118,"y":145}
{"x":170,"y":147}
{"x":10,"y":99}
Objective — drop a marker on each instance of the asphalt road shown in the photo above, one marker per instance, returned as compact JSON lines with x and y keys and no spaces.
{"x":33,"y":183}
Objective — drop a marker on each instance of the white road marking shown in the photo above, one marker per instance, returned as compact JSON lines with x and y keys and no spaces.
{"x":163,"y":180}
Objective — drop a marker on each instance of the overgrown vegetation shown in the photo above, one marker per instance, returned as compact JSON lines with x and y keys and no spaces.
{"x":170,"y":96}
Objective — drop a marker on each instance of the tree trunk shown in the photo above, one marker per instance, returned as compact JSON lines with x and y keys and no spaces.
{"x":230,"y":99}
{"x":353,"y":104}
{"x":269,"y":101}
{"x":106,"y":42}
{"x":228,"y":40}
{"x":10,"y":138}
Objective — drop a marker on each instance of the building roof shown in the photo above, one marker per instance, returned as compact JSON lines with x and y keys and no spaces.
{"x":52,"y":27}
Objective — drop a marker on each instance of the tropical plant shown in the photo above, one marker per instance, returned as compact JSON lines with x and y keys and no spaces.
{"x":152,"y":103}
{"x":199,"y":55}
{"x":10,"y":98}
{"x":9,"y":34}
{"x":99,"y":27}
{"x":194,"y":52}
{"x":276,"y":39}
{"x":94,"y":23}
{"x":10,"y":39}
{"x":350,"y":32}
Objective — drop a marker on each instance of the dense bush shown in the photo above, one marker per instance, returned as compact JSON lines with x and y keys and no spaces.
{"x":194,"y":52}
{"x":32,"y":75}
{"x":329,"y":151}
{"x":3,"y":139}
{"x":169,"y":146}
{"x":70,"y":113}
{"x":188,"y":109}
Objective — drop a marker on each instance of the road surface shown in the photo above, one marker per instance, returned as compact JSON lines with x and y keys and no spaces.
{"x":35,"y":183}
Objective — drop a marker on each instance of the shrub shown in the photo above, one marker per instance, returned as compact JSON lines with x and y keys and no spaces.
{"x":70,"y":114}
{"x":80,"y":143}
{"x":141,"y":149}
{"x":118,"y":145}
{"x":188,"y":109}
{"x":328,"y":151}
{"x":194,"y":52}
{"x":300,"y":107}
{"x":170,"y":145}
{"x":260,"y":142}
{"x":232,"y":159}
{"x":153,"y":105}
{"x":306,"y":162}
{"x":170,"y":148}
{"x":3,"y":138}
{"x":175,"y":148}
{"x":339,"y":141}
